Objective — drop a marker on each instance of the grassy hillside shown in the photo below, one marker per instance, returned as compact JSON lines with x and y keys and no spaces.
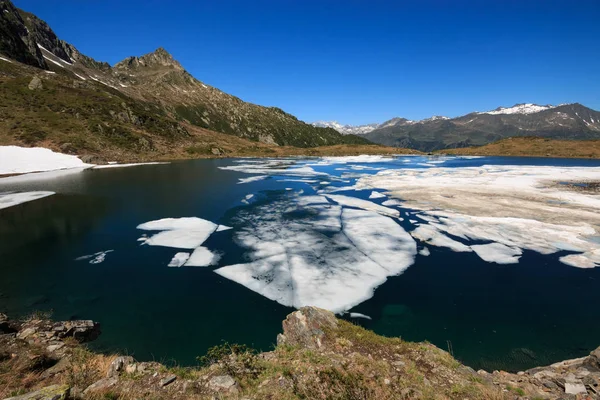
{"x":533,"y":147}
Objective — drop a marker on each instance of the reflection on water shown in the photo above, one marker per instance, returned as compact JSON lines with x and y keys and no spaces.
{"x":58,"y":218}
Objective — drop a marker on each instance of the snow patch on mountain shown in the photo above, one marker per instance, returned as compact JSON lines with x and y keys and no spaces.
{"x":527,"y":108}
{"x":347,"y":129}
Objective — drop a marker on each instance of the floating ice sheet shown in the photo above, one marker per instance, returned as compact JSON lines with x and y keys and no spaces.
{"x":253,"y":179}
{"x":127,"y":165}
{"x":359,"y":315}
{"x":183,"y":233}
{"x":202,"y":257}
{"x":13,"y":199}
{"x":497,"y":253}
{"x":330,"y":257}
{"x":514,"y":207}
{"x":179,"y":259}
{"x":95,"y":258}
{"x":364,"y":204}
{"x":376,"y":195}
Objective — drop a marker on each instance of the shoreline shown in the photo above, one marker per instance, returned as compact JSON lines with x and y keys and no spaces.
{"x":316,"y":355}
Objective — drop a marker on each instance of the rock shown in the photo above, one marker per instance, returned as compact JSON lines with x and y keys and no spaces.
{"x":25,"y":333}
{"x":35,"y":84}
{"x":216,"y":151}
{"x":118,"y":365}
{"x":89,"y":159}
{"x":306,"y":327}
{"x":54,"y":392}
{"x":574,"y":388}
{"x":67,"y":147}
{"x":167,"y":380}
{"x":81,"y":330}
{"x":593,"y":361}
{"x":55,"y":347}
{"x":223,"y":383}
{"x":102,"y":384}
{"x":61,"y":366}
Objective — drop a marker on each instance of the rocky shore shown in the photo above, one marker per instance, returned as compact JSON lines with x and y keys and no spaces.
{"x":317,"y":357}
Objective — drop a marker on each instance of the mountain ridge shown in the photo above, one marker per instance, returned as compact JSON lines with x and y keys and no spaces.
{"x":155,"y":81}
{"x":569,"y":121}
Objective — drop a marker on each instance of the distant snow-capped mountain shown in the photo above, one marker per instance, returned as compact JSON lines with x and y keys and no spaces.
{"x":346,"y":129}
{"x":525,"y":108}
{"x":565,"y":121}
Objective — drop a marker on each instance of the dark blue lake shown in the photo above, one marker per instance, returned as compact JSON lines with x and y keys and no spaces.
{"x":492,"y":316}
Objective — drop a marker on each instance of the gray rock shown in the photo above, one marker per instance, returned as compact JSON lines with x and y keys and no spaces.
{"x":306,"y":327}
{"x":167,"y":380}
{"x":102,"y":384}
{"x":574,"y":388}
{"x":593,"y":361}
{"x":89,"y":158}
{"x":223,"y":383}
{"x":55,"y":347}
{"x":216,"y":151}
{"x":54,"y":392}
{"x":25,"y":333}
{"x":35,"y":84}
{"x":81,"y":330}
{"x":118,"y":365}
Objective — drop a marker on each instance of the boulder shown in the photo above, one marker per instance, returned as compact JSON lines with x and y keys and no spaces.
{"x":575,"y":388}
{"x":167,"y":380}
{"x":101,"y":385}
{"x":223,"y":383}
{"x":81,"y":330}
{"x":118,"y":365}
{"x":593,"y":361}
{"x":35,"y":84}
{"x":89,"y":159}
{"x":54,"y":392}
{"x":306,"y":327}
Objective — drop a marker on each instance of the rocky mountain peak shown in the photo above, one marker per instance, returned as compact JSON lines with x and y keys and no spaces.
{"x":159,"y":57}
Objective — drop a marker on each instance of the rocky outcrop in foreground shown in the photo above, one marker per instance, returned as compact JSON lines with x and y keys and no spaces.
{"x":317,"y":357}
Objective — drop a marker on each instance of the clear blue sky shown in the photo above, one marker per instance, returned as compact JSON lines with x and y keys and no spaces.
{"x":355,"y":61}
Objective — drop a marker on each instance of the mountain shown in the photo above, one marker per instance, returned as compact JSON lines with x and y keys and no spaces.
{"x":565,"y":122}
{"x":56,"y":96}
{"x":347,"y":129}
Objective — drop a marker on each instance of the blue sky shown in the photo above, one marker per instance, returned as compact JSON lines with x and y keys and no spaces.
{"x":355,"y":61}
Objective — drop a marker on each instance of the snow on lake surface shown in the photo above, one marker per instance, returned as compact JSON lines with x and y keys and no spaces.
{"x":12,"y":199}
{"x":430,"y":248}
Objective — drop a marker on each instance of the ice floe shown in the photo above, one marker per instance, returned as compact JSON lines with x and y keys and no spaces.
{"x":95,"y":258}
{"x":111,"y":165}
{"x":252,"y":179}
{"x":497,"y":253}
{"x":364,"y":204}
{"x":273,"y":167}
{"x":14,"y":198}
{"x":514,"y":208}
{"x":20,"y":160}
{"x":179,"y":259}
{"x":184,"y":233}
{"x":424,"y":252}
{"x":332,"y":257}
{"x":376,"y":195}
{"x":363,"y":158}
{"x":202,"y":257}
{"x":359,"y":315}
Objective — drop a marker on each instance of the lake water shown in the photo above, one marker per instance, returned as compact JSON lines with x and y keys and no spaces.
{"x":494,"y":316}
